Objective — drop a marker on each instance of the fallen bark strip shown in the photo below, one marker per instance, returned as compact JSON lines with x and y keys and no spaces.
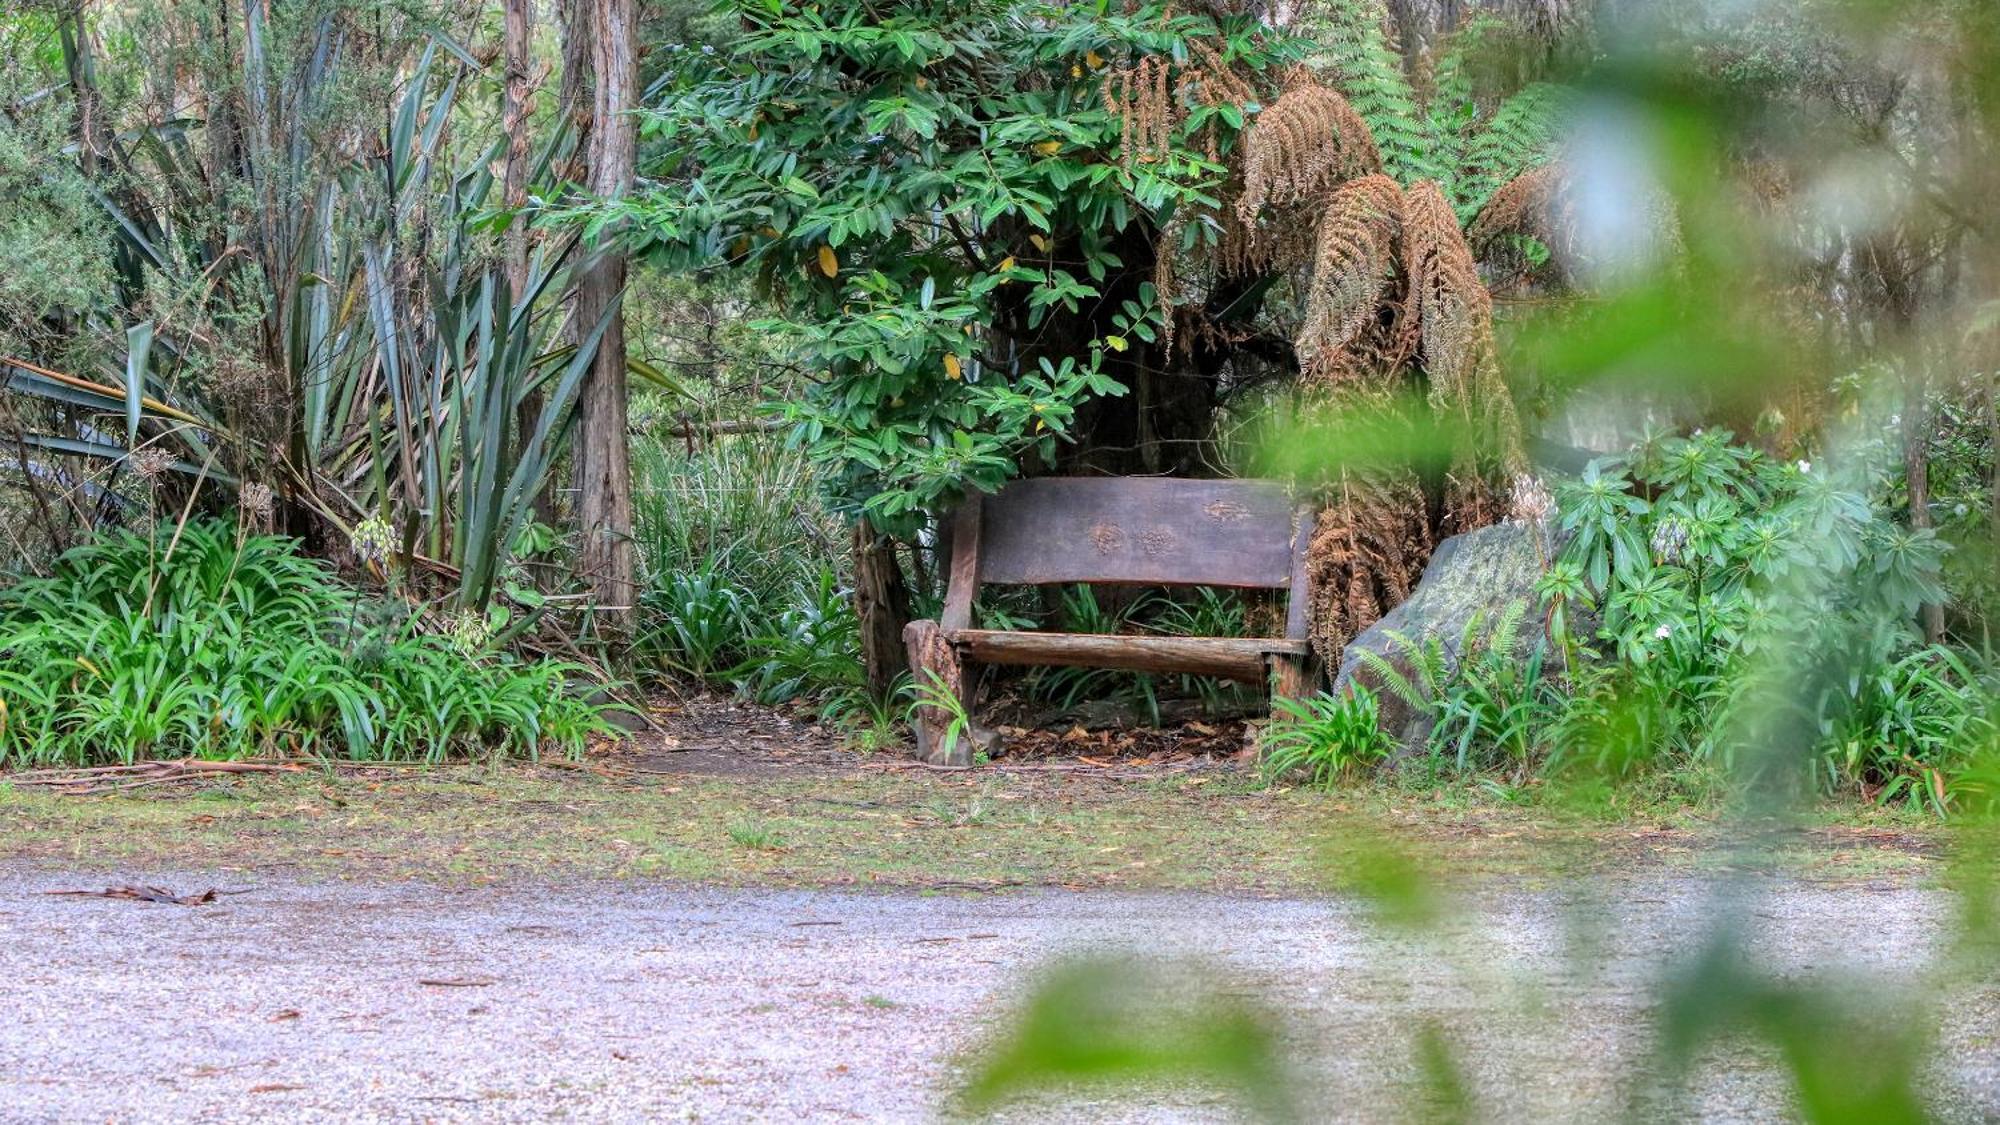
{"x":152,"y":770}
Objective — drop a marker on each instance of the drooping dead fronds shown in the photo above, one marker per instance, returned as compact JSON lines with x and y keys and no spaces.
{"x":1354,"y":262}
{"x":1300,"y":146}
{"x":1210,"y":82}
{"x":1152,"y":96}
{"x":1450,"y":316}
{"x":1367,"y":553}
{"x":1139,"y":96}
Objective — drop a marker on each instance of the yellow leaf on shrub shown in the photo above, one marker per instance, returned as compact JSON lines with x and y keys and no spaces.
{"x":1048,"y":148}
{"x":1041,"y":243}
{"x":1094,"y":59}
{"x":951,"y":367}
{"x":1007,"y":263}
{"x":829,"y":263}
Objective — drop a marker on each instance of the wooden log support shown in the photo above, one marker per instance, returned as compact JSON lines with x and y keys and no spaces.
{"x":1291,"y":676}
{"x":1229,"y":658}
{"x":934,"y":662}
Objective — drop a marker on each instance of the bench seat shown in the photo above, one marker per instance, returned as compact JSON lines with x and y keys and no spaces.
{"x":1134,"y":531}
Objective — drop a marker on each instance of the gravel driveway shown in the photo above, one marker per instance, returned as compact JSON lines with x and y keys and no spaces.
{"x":413,"y":1002}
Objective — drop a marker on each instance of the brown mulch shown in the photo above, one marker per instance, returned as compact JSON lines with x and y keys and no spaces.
{"x":1190,"y":742}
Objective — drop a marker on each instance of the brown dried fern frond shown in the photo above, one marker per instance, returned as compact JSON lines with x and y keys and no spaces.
{"x":1152,"y":96}
{"x":1300,"y":146}
{"x":1210,"y":81}
{"x":1451,"y":317}
{"x":1354,"y":262}
{"x":1139,"y":96}
{"x":1522,"y":205}
{"x":1368,"y":550}
{"x":1166,"y":278}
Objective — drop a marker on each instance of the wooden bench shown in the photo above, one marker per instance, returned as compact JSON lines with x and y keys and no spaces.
{"x":1142,"y":531}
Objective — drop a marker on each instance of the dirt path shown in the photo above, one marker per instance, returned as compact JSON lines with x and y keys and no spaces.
{"x":645,"y":1002}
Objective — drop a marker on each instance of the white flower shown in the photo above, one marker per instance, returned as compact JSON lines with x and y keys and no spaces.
{"x":1532,"y":502}
{"x":1805,"y":466}
{"x":1662,"y":633}
{"x":373,"y":539}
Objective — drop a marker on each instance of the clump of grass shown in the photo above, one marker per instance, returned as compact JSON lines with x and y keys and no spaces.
{"x":756,"y":835}
{"x":210,"y":644}
{"x":1324,"y":738}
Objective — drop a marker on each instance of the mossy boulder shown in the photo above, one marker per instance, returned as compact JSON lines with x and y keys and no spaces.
{"x":1481,"y":572}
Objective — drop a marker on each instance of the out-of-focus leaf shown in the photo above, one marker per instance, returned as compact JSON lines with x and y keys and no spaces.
{"x":1108,"y":1022}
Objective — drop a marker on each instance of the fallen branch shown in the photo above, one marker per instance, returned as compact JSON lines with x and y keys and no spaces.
{"x":145,"y":894}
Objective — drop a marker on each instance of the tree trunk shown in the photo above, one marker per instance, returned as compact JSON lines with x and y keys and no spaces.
{"x":882,"y":602}
{"x":573,"y":93}
{"x":516,"y":110}
{"x":603,"y":461}
{"x":1893,"y":262}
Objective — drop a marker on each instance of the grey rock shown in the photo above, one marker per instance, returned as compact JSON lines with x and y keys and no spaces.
{"x":1480,"y":572}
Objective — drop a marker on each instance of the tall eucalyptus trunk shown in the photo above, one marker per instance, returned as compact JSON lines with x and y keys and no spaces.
{"x":603,"y":461}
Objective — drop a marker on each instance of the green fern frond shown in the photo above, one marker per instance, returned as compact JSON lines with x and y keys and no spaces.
{"x":1392,"y":680}
{"x":1523,"y":133}
{"x":1468,"y":637}
{"x":1368,"y":69}
{"x":1507,"y":629}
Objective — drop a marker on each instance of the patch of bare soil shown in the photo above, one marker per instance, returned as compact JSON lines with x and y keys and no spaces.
{"x":716,"y":736}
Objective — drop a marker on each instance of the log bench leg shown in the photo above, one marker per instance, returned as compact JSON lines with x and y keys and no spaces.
{"x":1291,"y":678}
{"x":935,"y":663}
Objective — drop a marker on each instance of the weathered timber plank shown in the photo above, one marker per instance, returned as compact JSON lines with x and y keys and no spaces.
{"x":963,"y":583}
{"x":1296,"y":624}
{"x":1138,"y":530}
{"x":1232,"y":658}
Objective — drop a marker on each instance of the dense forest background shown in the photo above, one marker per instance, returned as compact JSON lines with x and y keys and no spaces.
{"x":662,"y":335}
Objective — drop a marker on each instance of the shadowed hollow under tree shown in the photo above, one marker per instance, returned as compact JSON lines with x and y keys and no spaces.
{"x":984,"y":230}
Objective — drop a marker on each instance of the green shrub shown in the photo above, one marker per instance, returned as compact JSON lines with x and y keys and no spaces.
{"x":209,"y":644}
{"x":808,"y":650}
{"x":741,"y":570}
{"x":1706,"y":561}
{"x":1323,"y":738}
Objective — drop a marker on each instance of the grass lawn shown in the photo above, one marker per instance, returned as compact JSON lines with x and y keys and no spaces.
{"x":885,"y":824}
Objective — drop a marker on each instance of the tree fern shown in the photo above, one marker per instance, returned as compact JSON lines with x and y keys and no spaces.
{"x":1523,"y":133}
{"x":1442,"y":135}
{"x":1368,"y":69}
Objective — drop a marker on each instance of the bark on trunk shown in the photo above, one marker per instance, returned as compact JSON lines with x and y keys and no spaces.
{"x":882,"y":601}
{"x":573,"y":93}
{"x":603,"y":461}
{"x":516,"y":110}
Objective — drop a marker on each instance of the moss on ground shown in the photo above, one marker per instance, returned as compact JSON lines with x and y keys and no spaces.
{"x":1211,"y":831}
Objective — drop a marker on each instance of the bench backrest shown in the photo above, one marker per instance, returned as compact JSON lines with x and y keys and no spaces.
{"x":1150,"y":531}
{"x":1154,"y":531}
